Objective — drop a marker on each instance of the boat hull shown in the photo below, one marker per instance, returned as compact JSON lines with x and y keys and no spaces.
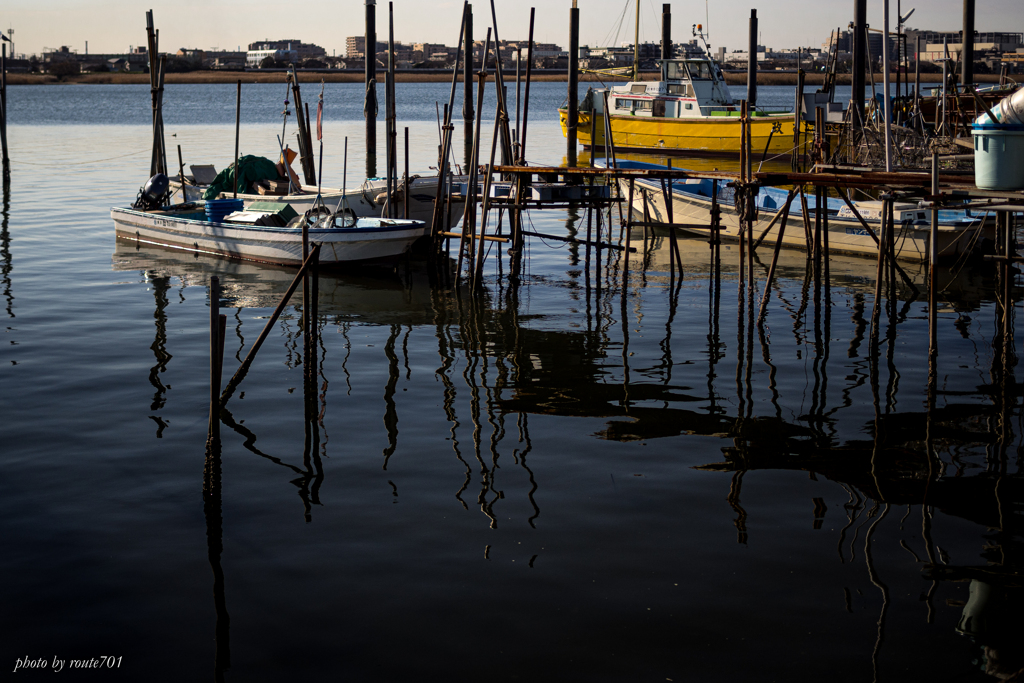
{"x":845,"y":235}
{"x":708,"y":135}
{"x":280,"y":246}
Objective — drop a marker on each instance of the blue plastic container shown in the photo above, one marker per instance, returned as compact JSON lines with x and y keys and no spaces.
{"x":999,"y":156}
{"x":217,"y":209}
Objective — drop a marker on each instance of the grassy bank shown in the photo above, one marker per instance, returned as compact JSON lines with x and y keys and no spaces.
{"x":764,"y":78}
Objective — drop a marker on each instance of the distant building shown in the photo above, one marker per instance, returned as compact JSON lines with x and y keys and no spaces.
{"x":301,"y":49}
{"x":191,"y":55}
{"x":355,"y":47}
{"x":253,"y":58}
{"x":933,"y":49}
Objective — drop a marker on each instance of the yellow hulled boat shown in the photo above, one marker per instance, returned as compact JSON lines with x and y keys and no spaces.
{"x":688,"y":111}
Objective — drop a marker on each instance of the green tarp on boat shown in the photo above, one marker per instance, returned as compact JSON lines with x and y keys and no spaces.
{"x":251,"y":168}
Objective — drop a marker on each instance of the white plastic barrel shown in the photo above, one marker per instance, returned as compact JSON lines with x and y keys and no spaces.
{"x":999,"y":156}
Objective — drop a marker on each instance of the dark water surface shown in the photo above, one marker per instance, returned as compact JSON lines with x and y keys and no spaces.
{"x":549,"y":483}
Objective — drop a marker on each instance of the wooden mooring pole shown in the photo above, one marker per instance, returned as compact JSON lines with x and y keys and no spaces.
{"x":573,"y":105}
{"x":370,"y":81}
{"x":218,"y":324}
{"x":933,"y":257}
{"x":3,"y":113}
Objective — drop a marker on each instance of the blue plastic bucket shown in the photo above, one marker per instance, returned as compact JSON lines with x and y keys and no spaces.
{"x":217,"y":209}
{"x":999,"y":156}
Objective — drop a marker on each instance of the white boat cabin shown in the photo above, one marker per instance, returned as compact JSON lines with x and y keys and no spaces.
{"x":689,"y":88}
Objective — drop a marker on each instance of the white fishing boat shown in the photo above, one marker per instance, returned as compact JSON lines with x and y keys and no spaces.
{"x":263,"y":235}
{"x":368,"y":200}
{"x":959,"y":231}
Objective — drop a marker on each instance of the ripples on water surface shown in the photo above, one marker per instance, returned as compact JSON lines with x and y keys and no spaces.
{"x":483,"y":495}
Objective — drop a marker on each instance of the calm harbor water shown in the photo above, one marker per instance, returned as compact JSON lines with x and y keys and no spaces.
{"x":555,"y":482}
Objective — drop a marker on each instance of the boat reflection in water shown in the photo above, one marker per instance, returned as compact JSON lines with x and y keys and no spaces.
{"x":815,"y":391}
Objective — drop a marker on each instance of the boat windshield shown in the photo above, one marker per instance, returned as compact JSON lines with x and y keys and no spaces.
{"x":700,"y":71}
{"x":675,"y":71}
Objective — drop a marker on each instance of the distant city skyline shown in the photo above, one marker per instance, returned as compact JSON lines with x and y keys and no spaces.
{"x":110,"y":28}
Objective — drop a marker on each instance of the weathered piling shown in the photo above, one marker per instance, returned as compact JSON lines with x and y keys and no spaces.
{"x":666,"y":31}
{"x":967,"y":46}
{"x":6,"y":159}
{"x":392,"y":114}
{"x":860,"y":14}
{"x":752,"y":62}
{"x":217,"y":326}
{"x":370,"y":79}
{"x":572,"y":116}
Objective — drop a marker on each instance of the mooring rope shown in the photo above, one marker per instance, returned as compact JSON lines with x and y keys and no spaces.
{"x":80,"y":163}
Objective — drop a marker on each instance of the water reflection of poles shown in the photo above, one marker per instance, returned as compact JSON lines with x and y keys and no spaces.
{"x":6,"y":260}
{"x":214,"y":549}
{"x":159,"y":346}
{"x":446,"y":350}
{"x":390,"y":389}
{"x":735,"y":485}
{"x":877,"y":581}
{"x":212,"y":483}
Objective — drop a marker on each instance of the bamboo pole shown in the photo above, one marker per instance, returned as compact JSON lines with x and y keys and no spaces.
{"x":526,"y":96}
{"x":501,"y":93}
{"x":305,"y":154}
{"x":775,"y":259}
{"x":478,"y":272}
{"x":670,"y":212}
{"x":775,"y":219}
{"x":238,"y":123}
{"x":405,"y":184}
{"x":181,"y":177}
{"x":469,"y":217}
{"x":879,"y":273}
{"x":629,"y":233}
{"x":437,"y":218}
{"x":933,"y":259}
{"x":314,"y":255}
{"x":797,"y":116}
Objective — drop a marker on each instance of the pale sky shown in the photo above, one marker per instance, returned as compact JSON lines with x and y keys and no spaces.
{"x":111,"y":27}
